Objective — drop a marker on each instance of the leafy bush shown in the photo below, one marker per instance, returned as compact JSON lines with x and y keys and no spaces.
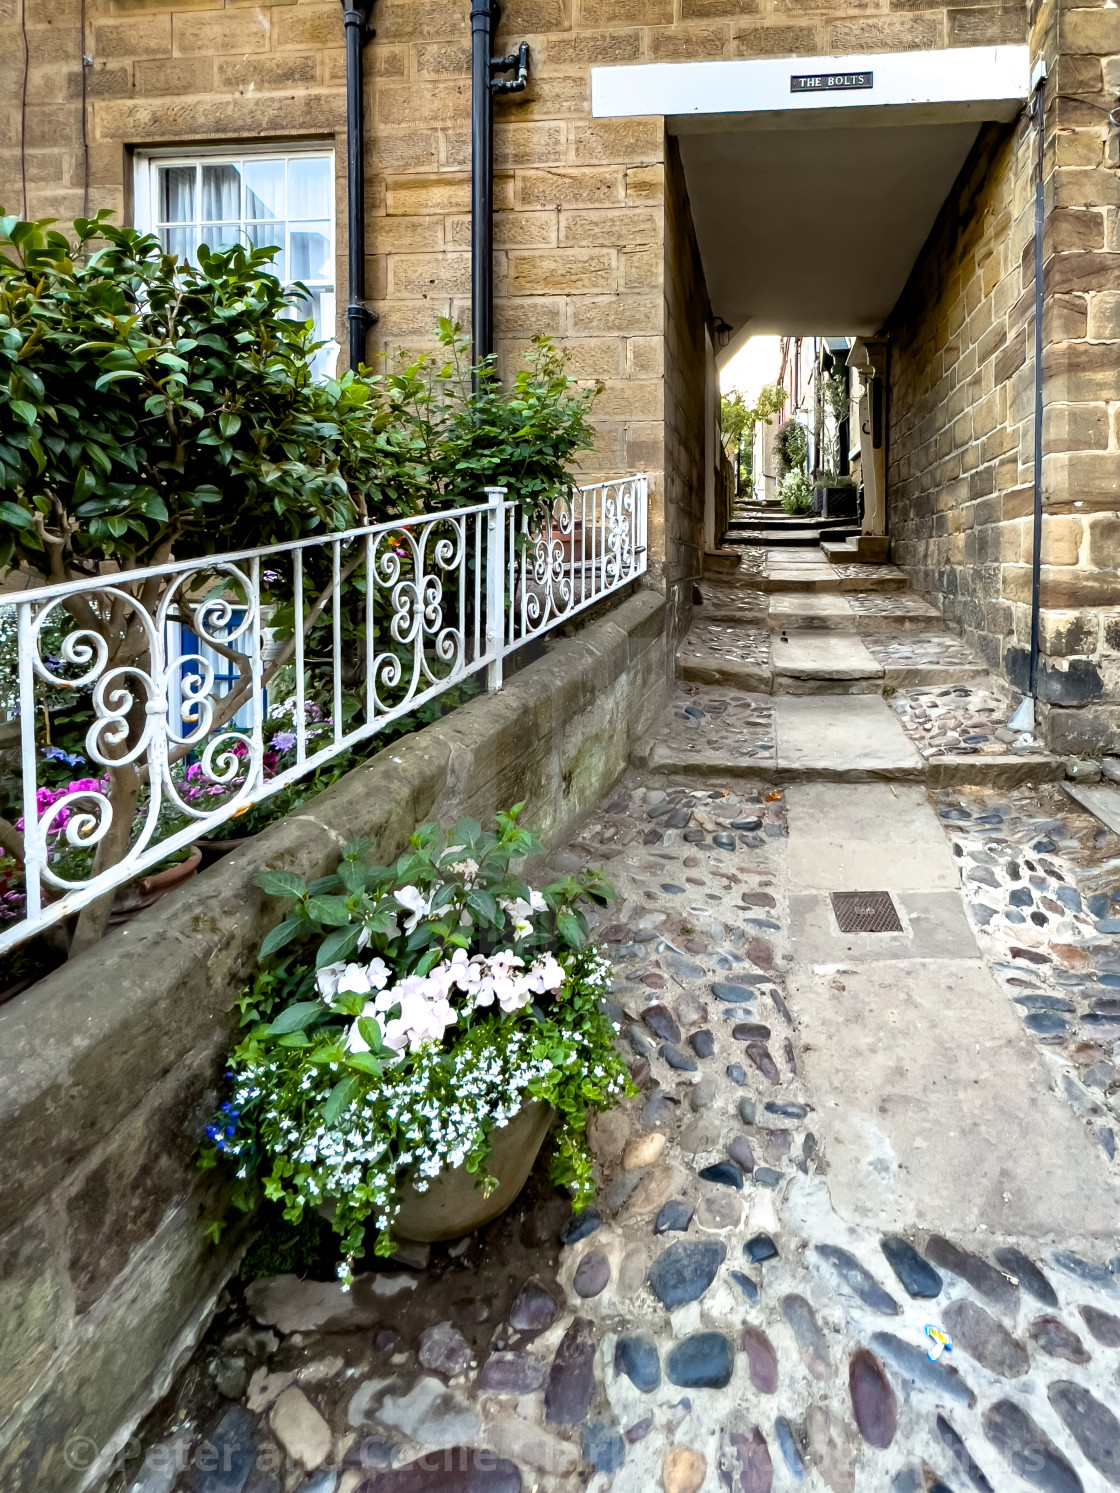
{"x":791,"y":447}
{"x":446,"y":430}
{"x":795,"y":493}
{"x":403,"y":1013}
{"x":150,"y":407}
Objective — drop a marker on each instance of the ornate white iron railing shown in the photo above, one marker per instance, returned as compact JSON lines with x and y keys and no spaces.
{"x":211,"y":684}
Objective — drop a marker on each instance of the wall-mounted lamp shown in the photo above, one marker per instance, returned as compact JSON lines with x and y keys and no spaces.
{"x":722,"y":331}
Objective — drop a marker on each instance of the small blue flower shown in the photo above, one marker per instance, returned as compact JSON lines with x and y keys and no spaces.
{"x":56,"y":754}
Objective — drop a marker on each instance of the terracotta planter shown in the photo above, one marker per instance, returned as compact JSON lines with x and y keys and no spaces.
{"x":136,"y":898}
{"x":213,"y":850}
{"x":454,"y":1206}
{"x":571,"y":544}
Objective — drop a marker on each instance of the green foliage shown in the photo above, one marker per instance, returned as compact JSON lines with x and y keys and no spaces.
{"x":791,"y":447}
{"x":738,"y":421}
{"x":795,"y":493}
{"x":832,"y":406}
{"x":148,"y":406}
{"x":400,"y":1014}
{"x":444,"y":439}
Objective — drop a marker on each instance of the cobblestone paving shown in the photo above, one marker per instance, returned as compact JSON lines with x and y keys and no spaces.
{"x":753,"y":562}
{"x":734,"y":598}
{"x":711,"y":718}
{"x":879,"y":603}
{"x":918,"y":650}
{"x":857,"y":570}
{"x":712,"y":643}
{"x":956,"y":720}
{"x":1042,"y":886}
{"x":713,"y":1324}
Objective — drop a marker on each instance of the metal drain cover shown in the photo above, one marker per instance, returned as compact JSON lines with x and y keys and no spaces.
{"x":865,"y":912}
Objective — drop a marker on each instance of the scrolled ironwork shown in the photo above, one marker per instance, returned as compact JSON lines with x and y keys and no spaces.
{"x":175,"y":663}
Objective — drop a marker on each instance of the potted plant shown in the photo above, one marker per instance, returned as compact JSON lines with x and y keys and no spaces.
{"x":410,"y":1034}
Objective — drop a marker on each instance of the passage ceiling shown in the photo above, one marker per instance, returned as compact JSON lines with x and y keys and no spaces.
{"x":814,"y":181}
{"x":813,"y":231}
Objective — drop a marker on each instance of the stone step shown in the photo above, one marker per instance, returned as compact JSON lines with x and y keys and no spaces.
{"x":792,"y":739}
{"x":867,"y":549}
{"x":800,"y":680}
{"x":865,"y":614}
{"x":823,"y":662}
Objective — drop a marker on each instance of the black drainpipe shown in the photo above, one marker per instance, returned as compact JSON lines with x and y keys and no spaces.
{"x":1039,"y":109}
{"x":485,"y":15}
{"x":358,"y":31}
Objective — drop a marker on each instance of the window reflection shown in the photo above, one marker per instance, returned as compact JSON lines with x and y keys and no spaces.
{"x":273,"y":201}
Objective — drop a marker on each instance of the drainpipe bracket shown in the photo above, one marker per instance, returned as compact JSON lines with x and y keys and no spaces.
{"x":359,"y":16}
{"x":518,"y":60}
{"x":356,"y":313}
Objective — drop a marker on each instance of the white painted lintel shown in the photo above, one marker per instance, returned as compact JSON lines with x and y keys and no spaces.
{"x":984,"y":82}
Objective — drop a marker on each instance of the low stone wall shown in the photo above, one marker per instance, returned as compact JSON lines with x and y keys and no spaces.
{"x":108,"y":1067}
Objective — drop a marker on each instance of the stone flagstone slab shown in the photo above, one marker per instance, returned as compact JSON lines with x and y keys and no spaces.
{"x":846,"y":737}
{"x":935,"y":1113}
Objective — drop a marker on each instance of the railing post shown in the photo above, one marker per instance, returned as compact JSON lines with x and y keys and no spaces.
{"x":495,"y":583}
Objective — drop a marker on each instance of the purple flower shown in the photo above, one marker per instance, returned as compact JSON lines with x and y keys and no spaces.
{"x":284,"y":741}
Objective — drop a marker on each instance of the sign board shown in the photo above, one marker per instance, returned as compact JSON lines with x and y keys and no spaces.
{"x":830,"y":82}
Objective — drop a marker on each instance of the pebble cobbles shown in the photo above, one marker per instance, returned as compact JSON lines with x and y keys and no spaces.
{"x":711,"y":1323}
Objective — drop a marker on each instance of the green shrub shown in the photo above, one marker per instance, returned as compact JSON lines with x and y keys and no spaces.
{"x":150,"y":407}
{"x":795,"y":493}
{"x":791,"y":447}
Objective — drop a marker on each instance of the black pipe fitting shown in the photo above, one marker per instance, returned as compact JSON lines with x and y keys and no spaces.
{"x":357,"y":31}
{"x":484,"y":20}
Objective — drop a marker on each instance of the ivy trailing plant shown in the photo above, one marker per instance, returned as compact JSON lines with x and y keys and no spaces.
{"x":401,"y":1014}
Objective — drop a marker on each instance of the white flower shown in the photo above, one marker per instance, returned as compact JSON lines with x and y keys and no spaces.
{"x":418,"y":906}
{"x":466,"y":869}
{"x":519,"y":911}
{"x":537,"y":902}
{"x":546,"y":974}
{"x":378,"y":973}
{"x":354,"y":980}
{"x":327,"y":979}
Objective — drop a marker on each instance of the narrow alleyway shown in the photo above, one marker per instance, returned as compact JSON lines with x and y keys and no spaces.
{"x":846,"y":1143}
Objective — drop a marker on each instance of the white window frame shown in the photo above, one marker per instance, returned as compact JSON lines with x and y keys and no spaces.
{"x":146,"y":210}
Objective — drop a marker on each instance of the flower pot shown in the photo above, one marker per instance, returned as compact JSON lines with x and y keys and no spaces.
{"x":454,"y":1206}
{"x":213,"y":850}
{"x":571,"y":543}
{"x":136,"y":898}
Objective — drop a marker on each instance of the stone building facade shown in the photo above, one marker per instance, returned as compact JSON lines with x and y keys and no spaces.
{"x":961,"y":481}
{"x":595,"y":247}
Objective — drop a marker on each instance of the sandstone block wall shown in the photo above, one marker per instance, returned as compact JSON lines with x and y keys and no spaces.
{"x":687,"y":312}
{"x":109,"y":1066}
{"x":580,"y":228}
{"x":962,"y":393}
{"x":962,"y":398}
